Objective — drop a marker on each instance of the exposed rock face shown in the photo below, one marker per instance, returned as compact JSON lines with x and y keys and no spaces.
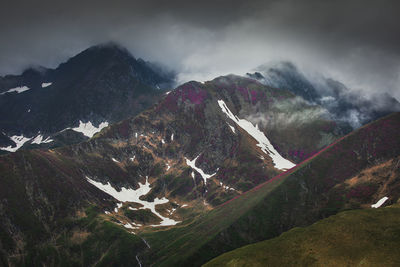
{"x":104,"y":83}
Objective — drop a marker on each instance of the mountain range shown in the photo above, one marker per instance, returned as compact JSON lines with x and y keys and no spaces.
{"x":179,"y":177}
{"x":99,"y":86}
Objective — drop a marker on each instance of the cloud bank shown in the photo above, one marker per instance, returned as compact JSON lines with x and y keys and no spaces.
{"x":354,"y":41}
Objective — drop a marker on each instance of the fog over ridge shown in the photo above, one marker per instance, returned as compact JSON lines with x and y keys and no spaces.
{"x":355,"y":42}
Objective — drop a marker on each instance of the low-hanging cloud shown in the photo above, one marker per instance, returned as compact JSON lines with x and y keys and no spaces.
{"x":288,"y":113}
{"x":353,"y":41}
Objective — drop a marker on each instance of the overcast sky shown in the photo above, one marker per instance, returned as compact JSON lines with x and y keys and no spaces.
{"x":355,"y":41}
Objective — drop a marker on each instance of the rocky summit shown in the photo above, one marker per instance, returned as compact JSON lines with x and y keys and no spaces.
{"x":99,"y":86}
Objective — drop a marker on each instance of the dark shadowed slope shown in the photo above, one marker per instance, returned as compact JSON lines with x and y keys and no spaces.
{"x":101,"y":85}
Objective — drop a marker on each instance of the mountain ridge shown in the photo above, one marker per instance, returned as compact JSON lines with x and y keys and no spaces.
{"x":104,"y":83}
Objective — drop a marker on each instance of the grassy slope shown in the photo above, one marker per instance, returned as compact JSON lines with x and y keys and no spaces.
{"x":360,"y":237}
{"x":300,"y":198}
{"x":86,"y":241}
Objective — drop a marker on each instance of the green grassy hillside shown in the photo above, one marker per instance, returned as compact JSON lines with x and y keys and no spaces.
{"x":352,"y":238}
{"x":314,"y":190}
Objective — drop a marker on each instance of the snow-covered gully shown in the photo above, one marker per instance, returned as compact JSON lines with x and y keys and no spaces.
{"x":132,"y":195}
{"x":280,"y":162}
{"x":192,"y":164}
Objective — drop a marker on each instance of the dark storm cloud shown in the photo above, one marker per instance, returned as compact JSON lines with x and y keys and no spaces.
{"x":354,"y":41}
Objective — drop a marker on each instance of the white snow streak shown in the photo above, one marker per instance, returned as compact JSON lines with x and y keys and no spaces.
{"x":379,"y":203}
{"x":129,"y":226}
{"x":46,"y":85}
{"x":263,"y":142}
{"x":137,"y":258}
{"x":17,"y":89}
{"x":226,"y":187}
{"x":39,"y":140}
{"x":88,"y":129}
{"x":113,"y":159}
{"x":192,"y":164}
{"x":19,"y":140}
{"x":232,"y":128}
{"x":131,"y":195}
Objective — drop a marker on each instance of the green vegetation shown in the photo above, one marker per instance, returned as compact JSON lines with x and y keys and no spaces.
{"x":352,"y":238}
{"x":86,"y":241}
{"x":190,"y":245}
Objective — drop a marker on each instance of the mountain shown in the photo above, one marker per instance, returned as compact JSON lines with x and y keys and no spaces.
{"x":233,"y":129}
{"x":99,"y":86}
{"x":354,"y":172}
{"x":201,"y":145}
{"x":358,"y":237}
{"x":345,"y":105}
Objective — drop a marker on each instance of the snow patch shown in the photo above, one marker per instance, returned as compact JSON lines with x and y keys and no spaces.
{"x":17,"y":89}
{"x":168,"y":167}
{"x":19,"y":140}
{"x":113,"y":159}
{"x":44,"y":85}
{"x":232,"y":128}
{"x":192,"y":164}
{"x":226,"y":187}
{"x":129,"y":226}
{"x":119,"y":205}
{"x":379,"y":203}
{"x":133,"y":158}
{"x":162,"y":141}
{"x":88,"y":129}
{"x":39,"y":140}
{"x":132,"y":195}
{"x":172,"y":137}
{"x":263,"y":142}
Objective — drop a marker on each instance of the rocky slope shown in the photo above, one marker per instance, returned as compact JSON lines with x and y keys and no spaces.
{"x":198,"y":147}
{"x":333,"y":180}
{"x":53,"y":107}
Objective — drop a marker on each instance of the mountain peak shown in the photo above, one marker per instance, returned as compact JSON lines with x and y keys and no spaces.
{"x":109,"y":47}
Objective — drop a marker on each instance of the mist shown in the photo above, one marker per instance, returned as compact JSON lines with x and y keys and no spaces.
{"x":355,"y":42}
